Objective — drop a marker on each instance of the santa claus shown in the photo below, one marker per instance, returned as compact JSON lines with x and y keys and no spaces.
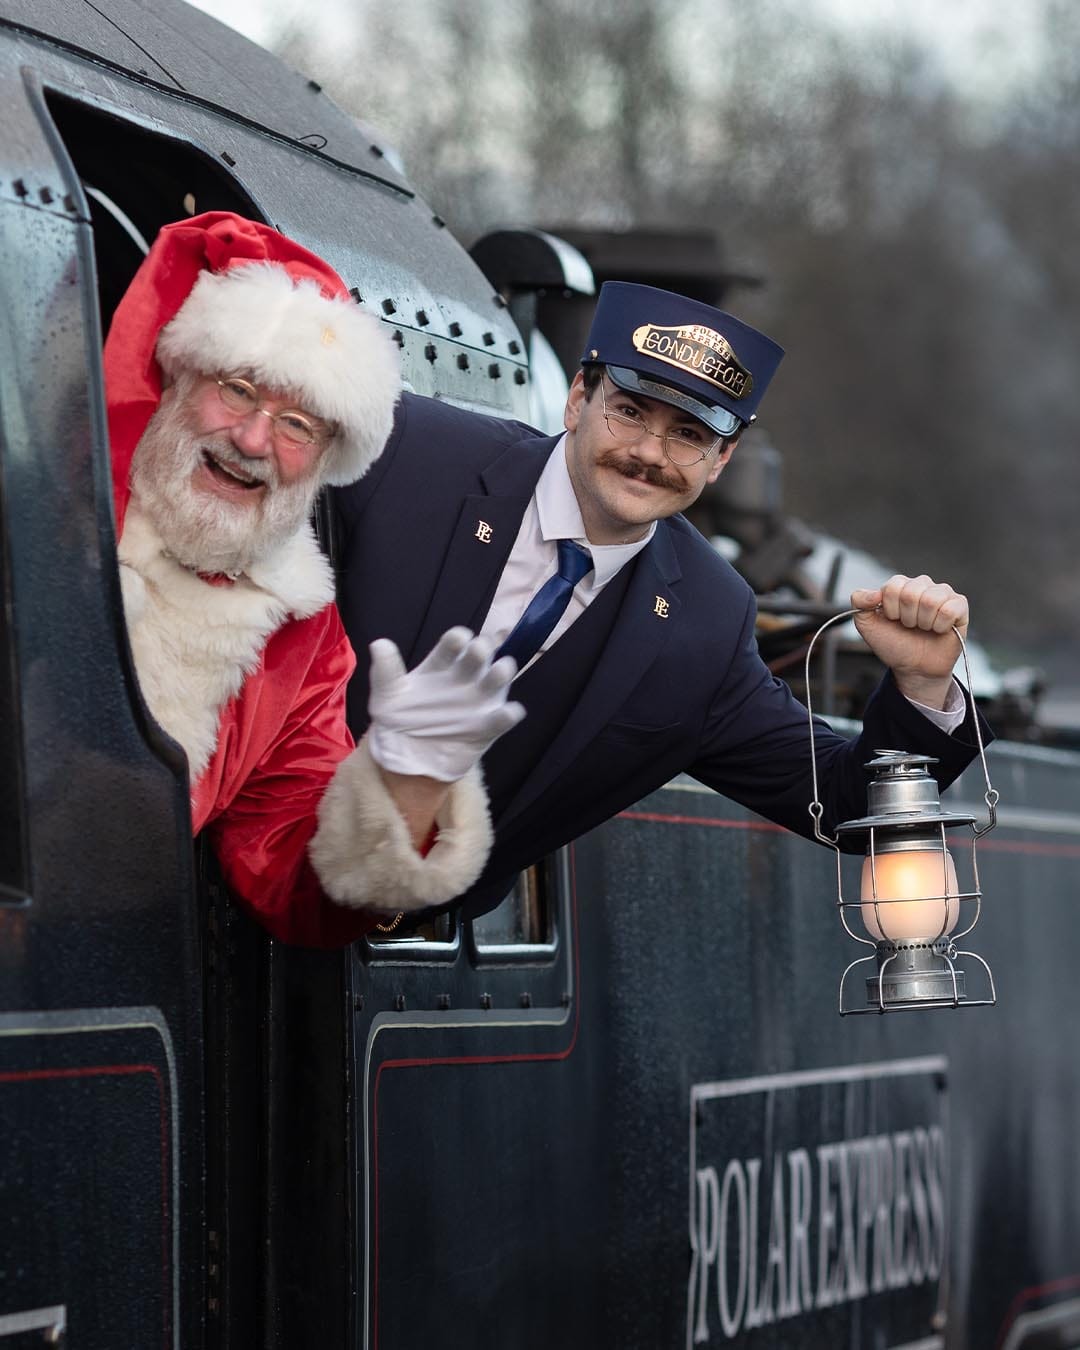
{"x":241,"y":378}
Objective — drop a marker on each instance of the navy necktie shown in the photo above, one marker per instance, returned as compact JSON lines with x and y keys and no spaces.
{"x":546,"y":607}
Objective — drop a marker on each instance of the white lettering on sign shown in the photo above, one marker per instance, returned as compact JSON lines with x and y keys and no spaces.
{"x":879,"y":1207}
{"x":810,"y":1227}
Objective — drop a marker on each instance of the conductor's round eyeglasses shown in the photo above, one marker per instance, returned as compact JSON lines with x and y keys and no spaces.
{"x":685,"y":445}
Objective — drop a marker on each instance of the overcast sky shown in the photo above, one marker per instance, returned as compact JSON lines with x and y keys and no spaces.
{"x":980,"y":42}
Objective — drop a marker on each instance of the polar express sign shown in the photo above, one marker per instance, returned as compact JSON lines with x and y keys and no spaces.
{"x":839,"y":1198}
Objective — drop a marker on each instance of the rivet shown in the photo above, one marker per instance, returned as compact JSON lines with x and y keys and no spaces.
{"x":519,"y":377}
{"x":485,"y":1000}
{"x":438,"y":222}
{"x":228,"y":159}
{"x":422,"y":318}
{"x":443,"y":1002}
{"x":46,"y":195}
{"x":430,"y":352}
{"x":399,"y":1002}
{"x":515,"y":346}
{"x":494,"y":371}
{"x":389,"y":307}
{"x":399,"y":337}
{"x":314,"y":86}
{"x":354,"y":291}
{"x":455,"y":329}
{"x":500,"y":303}
{"x":489,"y":339}
{"x":462,"y":361}
{"x":526,"y":1000}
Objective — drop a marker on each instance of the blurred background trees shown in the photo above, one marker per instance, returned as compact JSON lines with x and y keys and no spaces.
{"x":916,"y":227}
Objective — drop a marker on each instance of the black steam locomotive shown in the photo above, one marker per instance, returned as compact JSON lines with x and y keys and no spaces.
{"x":618,"y":1111}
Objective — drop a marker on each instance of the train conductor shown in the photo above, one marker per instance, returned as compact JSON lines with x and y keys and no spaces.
{"x":634,"y":638}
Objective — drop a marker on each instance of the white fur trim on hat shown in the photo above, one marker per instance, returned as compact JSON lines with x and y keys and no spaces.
{"x":362,"y":853}
{"x":335,"y":359}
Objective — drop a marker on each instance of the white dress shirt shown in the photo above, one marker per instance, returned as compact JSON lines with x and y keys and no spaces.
{"x":554,"y":514}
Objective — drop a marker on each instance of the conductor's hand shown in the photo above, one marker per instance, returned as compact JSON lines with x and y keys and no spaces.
{"x":908,"y":625}
{"x":438,"y":719}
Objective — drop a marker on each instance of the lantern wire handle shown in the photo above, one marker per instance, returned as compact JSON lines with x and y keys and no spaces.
{"x":816,"y":808}
{"x":991,"y":795}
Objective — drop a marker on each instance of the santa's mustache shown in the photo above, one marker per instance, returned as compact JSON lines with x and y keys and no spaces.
{"x":655,"y":474}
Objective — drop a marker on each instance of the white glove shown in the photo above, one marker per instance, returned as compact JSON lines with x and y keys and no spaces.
{"x":438,"y":719}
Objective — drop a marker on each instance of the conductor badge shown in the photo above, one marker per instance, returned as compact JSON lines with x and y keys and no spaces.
{"x":660,"y":609}
{"x":484,"y":532}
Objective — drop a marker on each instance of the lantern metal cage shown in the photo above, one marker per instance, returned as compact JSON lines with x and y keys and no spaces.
{"x":913,"y":934}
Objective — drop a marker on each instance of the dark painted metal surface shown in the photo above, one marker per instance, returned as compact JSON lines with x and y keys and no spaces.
{"x":108,"y":925}
{"x":551,"y":1180}
{"x":185,"y":51}
{"x":90,"y":1138}
{"x":437,"y":1142}
{"x":152,"y":148}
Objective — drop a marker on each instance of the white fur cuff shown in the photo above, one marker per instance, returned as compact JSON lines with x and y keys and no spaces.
{"x":362,"y":853}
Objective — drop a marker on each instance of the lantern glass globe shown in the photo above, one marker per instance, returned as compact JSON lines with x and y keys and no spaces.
{"x":919,"y":891}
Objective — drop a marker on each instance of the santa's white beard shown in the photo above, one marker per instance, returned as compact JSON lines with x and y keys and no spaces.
{"x":202,"y":531}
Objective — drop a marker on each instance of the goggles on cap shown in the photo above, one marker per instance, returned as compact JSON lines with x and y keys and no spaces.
{"x":722,"y":420}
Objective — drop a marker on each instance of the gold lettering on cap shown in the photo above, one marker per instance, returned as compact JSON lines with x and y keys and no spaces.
{"x":696,"y":350}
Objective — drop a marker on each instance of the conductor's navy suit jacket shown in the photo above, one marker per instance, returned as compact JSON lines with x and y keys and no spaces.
{"x":659,"y":675}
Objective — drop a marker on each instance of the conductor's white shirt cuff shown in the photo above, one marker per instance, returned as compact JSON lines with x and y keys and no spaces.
{"x":951,"y":716}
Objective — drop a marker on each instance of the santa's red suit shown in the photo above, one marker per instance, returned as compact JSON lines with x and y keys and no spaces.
{"x":249,"y":673}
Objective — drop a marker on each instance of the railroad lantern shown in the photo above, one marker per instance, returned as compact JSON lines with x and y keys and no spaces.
{"x":911,"y":906}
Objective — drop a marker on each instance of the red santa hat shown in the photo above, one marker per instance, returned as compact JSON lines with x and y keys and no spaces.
{"x":219,"y":293}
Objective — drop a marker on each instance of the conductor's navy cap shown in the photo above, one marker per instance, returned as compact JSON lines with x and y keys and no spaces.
{"x":661,"y":345}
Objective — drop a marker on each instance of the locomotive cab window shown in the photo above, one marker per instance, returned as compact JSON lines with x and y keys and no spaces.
{"x":523,"y":926}
{"x":135,"y":181}
{"x":431,"y":937}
